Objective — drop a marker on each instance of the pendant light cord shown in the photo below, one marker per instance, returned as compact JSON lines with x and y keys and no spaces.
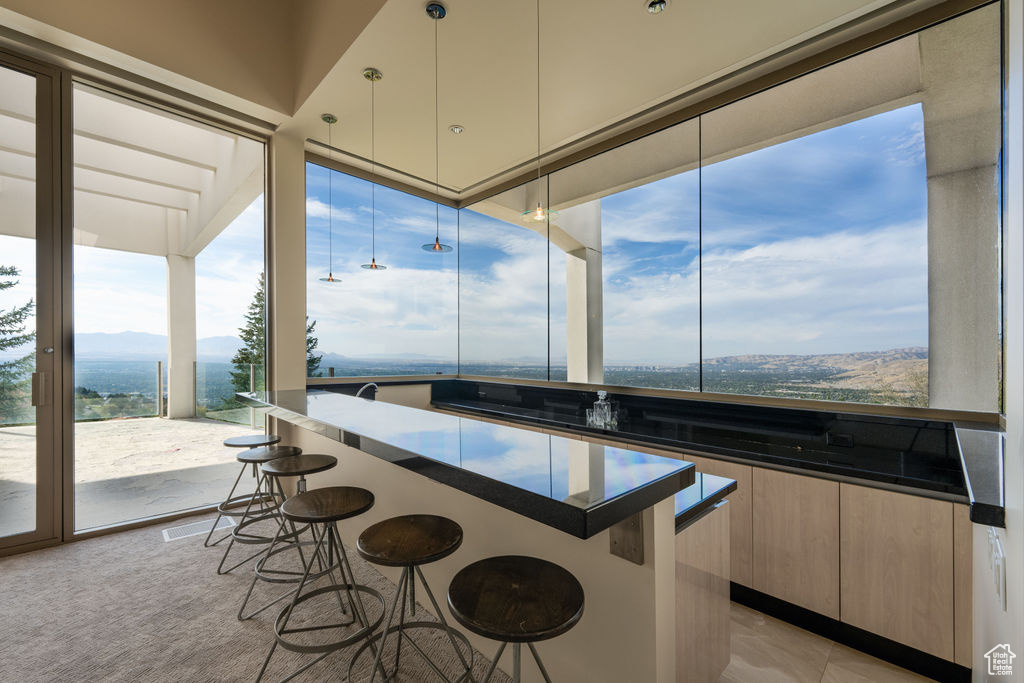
{"x":437,"y":147}
{"x":538,"y":95}
{"x":330,"y":205}
{"x":373,"y":168}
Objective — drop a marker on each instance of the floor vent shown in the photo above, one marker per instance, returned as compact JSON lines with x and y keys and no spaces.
{"x":195,"y":529}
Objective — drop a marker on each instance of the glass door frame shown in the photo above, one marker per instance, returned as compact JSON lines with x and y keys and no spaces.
{"x":51,"y":360}
{"x":66,"y":395}
{"x":55,"y":414}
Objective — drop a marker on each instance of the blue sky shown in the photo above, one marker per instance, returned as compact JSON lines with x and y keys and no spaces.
{"x":117,"y":291}
{"x":815,"y":245}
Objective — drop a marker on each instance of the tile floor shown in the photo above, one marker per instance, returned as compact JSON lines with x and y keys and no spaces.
{"x":766,"y":650}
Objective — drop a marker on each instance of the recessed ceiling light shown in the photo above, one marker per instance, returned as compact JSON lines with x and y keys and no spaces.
{"x":455,"y":128}
{"x":656,"y":6}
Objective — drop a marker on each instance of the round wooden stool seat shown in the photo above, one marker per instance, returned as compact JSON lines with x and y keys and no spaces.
{"x":267,"y":453}
{"x":409,"y":540}
{"x":328,"y":504}
{"x":252,"y":440}
{"x":516,"y":599}
{"x":299,"y":465}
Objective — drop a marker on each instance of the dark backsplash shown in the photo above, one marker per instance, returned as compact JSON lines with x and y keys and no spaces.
{"x":910,"y":452}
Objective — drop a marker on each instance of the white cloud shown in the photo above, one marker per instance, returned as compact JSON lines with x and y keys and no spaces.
{"x":318,"y":209}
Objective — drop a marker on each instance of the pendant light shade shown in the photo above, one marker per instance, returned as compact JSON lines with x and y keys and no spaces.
{"x":437,"y":12}
{"x":373,"y":75}
{"x":330,"y":120}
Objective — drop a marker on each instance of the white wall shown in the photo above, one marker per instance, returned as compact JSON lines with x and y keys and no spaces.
{"x":993,"y":624}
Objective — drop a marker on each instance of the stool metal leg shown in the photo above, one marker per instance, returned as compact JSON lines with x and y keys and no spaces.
{"x":540,"y":664}
{"x":448,"y":629}
{"x":517,"y":663}
{"x":220,"y":514}
{"x":325,"y":566}
{"x":267,"y":510}
{"x":404,"y":593}
{"x":494,"y":662}
{"x":353,"y":591}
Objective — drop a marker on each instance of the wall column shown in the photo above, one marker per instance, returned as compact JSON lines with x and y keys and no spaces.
{"x":286,"y":282}
{"x":584,"y":309}
{"x":181,"y":336}
{"x":961,"y":124}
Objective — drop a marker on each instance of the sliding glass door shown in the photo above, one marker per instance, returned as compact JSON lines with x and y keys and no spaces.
{"x":131,"y":262}
{"x":166,"y":263}
{"x":28,"y":453}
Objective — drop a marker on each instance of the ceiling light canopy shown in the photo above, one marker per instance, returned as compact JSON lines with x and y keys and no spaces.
{"x":656,"y":6}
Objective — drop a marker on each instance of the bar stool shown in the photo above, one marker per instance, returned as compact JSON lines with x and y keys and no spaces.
{"x":286,"y":538}
{"x":224,"y":509}
{"x":516,"y":599}
{"x":322,"y":509}
{"x":262,"y":505}
{"x":408,"y":542}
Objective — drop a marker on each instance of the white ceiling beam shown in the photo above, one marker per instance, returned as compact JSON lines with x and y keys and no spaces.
{"x":145,"y":150}
{"x":136,"y":200}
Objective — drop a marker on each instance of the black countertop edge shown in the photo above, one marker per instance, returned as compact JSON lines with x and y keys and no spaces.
{"x":981,"y":454}
{"x":703,"y":506}
{"x":906,"y":484}
{"x":556,"y":514}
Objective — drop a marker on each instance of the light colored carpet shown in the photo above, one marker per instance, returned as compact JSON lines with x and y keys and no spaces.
{"x":131,"y":607}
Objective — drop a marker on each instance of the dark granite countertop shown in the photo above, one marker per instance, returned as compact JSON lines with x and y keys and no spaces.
{"x":701,"y":495}
{"x":981,"y":452}
{"x":524,"y":471}
{"x":929,"y":457}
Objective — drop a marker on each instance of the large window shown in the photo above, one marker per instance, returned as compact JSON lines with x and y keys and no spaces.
{"x":503,"y":289}
{"x":815,"y":263}
{"x":400,"y":320}
{"x":834,"y":238}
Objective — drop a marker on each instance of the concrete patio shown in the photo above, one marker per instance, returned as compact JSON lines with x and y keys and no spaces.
{"x":125,"y":469}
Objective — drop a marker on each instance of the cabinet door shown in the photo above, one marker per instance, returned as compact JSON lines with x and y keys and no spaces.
{"x":796,"y":539}
{"x":740,"y":515}
{"x":702,"y":598}
{"x":897,"y":567}
{"x":963,"y":583}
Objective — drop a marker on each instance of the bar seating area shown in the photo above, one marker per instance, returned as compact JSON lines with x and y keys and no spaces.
{"x":511,"y":599}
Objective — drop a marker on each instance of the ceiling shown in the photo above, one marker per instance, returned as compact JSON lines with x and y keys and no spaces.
{"x":288,"y":61}
{"x":600,"y":62}
{"x":145,"y":181}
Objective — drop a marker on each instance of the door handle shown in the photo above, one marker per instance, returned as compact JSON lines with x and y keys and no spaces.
{"x":39,"y":388}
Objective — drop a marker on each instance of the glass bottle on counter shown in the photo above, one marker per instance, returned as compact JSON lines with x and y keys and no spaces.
{"x":604,"y":414}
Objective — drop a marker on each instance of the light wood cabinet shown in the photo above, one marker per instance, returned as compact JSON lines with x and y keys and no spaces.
{"x":702,"y":598}
{"x":897,"y":567}
{"x":894,"y":564}
{"x":796,"y":539}
{"x":741,"y":543}
{"x":963,"y":584}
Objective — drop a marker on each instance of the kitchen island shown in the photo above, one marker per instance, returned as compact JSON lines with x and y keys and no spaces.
{"x":608,"y":515}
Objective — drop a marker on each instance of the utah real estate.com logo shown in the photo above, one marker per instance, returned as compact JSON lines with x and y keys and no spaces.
{"x":1000,"y":660}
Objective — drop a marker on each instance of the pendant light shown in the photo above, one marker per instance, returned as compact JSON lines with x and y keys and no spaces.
{"x":540,"y":214}
{"x":373,"y":75}
{"x":437,"y":12}
{"x":330,"y":120}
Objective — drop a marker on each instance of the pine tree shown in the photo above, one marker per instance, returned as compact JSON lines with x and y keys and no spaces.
{"x":253,"y":336}
{"x":14,"y":373}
